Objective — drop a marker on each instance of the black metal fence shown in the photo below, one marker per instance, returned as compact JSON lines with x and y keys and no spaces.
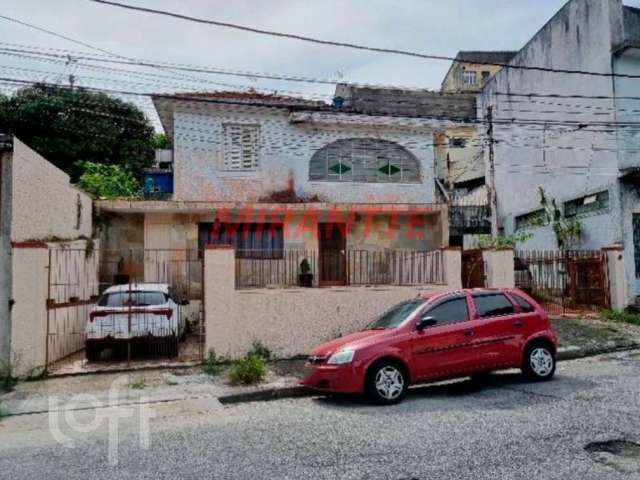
{"x":569,"y":281}
{"x":349,"y":267}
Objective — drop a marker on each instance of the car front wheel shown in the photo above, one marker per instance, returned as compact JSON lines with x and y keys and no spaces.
{"x":387,"y":383}
{"x":539,"y":362}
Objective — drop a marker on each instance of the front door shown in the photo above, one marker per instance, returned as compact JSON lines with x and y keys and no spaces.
{"x":443,"y":350}
{"x":333,"y":255}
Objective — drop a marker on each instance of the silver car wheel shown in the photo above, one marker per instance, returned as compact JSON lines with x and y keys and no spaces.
{"x":541,"y":361}
{"x":389,"y":382}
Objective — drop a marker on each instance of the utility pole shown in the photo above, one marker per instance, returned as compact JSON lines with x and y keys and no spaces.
{"x":493,"y":201}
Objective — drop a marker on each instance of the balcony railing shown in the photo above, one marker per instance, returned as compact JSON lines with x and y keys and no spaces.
{"x":281,"y":269}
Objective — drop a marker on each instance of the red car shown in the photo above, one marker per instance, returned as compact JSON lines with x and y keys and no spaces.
{"x":436,"y":337}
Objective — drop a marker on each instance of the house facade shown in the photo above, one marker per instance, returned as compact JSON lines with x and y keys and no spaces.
{"x":275,"y":176}
{"x":573,"y":134}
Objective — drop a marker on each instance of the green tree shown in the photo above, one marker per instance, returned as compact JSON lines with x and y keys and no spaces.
{"x":567,"y":230}
{"x":108,"y":181}
{"x":161,"y":141}
{"x":69,"y":127}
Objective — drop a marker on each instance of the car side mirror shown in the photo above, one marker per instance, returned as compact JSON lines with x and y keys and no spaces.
{"x":425,"y":322}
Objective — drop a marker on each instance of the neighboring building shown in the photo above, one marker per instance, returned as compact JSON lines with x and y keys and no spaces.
{"x":459,"y":149}
{"x":471,"y":70}
{"x":41,"y":213}
{"x":272,"y":174}
{"x":573,"y":134}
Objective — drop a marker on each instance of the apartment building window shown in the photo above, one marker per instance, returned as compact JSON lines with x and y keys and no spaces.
{"x":531,"y":219}
{"x":587,"y":204}
{"x":457,"y":142}
{"x":485,"y":76}
{"x":469,"y":78}
{"x":241,"y":147}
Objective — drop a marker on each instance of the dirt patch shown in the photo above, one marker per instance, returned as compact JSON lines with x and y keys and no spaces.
{"x":590,"y":333}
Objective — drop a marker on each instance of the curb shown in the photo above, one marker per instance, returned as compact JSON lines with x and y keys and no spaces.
{"x":564,"y":354}
{"x":573,"y":352}
{"x":265,"y":395}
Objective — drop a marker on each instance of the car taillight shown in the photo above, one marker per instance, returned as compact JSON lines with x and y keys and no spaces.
{"x":97,"y":314}
{"x":165,"y":311}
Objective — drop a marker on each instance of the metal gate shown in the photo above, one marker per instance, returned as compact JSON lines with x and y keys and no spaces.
{"x":569,"y":281}
{"x":115,"y":307}
{"x":473,"y":271}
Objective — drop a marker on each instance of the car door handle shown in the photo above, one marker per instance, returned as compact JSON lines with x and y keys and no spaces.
{"x":518,"y":323}
{"x":469,"y":332}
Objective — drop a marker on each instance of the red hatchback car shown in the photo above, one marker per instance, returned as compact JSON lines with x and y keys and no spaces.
{"x":431,"y":338}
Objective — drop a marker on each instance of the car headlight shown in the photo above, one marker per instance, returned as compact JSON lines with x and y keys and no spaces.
{"x":341,"y":357}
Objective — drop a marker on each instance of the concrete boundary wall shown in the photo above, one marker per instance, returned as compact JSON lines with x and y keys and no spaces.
{"x":293,"y":321}
{"x":35,"y":333}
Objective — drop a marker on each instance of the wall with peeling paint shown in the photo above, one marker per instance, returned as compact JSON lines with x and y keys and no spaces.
{"x":285,"y":151}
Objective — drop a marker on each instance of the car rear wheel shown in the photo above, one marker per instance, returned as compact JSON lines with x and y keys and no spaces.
{"x":387,"y":383}
{"x":92,"y":352}
{"x":539,"y":363}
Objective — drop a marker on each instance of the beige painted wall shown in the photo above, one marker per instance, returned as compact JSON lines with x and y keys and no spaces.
{"x":44,"y":203}
{"x":617,"y":277}
{"x":29,"y":315}
{"x":73,"y":274}
{"x":465,"y":163}
{"x":499,"y":268}
{"x":288,"y":321}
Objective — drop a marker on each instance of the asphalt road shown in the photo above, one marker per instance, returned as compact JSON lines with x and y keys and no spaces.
{"x":505,"y":428}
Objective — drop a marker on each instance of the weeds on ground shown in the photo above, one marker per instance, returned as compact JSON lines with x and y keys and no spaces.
{"x":139,"y":384}
{"x":3,"y":411}
{"x":248,"y":371}
{"x":623,"y":316}
{"x":7,"y":378}
{"x":260,"y":350}
{"x":213,"y":365}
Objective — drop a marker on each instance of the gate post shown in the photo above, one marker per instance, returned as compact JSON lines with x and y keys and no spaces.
{"x":616,"y":276}
{"x":452,"y":260}
{"x":219,"y":293}
{"x":499,"y":268}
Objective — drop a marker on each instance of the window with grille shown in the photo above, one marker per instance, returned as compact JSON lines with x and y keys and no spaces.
{"x":364,"y":160}
{"x":587,"y":204}
{"x":469,"y":78}
{"x":241,"y":147}
{"x":536,"y":218}
{"x":457,"y":142}
{"x":250,"y":240}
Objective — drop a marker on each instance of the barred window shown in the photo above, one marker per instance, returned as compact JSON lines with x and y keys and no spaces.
{"x":590,"y":203}
{"x":532,"y":219}
{"x":364,"y":160}
{"x":241,"y":146}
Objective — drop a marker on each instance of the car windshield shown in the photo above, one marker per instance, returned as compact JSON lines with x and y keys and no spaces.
{"x":132,"y":299}
{"x":394,"y":317}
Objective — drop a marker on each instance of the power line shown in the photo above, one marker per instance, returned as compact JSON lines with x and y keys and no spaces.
{"x":354,"y":45}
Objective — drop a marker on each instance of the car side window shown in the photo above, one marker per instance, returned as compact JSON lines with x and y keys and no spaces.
{"x":525,"y":306}
{"x":492,"y":305}
{"x":453,"y":310}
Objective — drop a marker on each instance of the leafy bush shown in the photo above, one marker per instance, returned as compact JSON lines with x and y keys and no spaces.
{"x":623,"y":316}
{"x":248,"y":371}
{"x":7,"y":378}
{"x":108,"y":181}
{"x":213,"y":364}
{"x":260,"y":350}
{"x":502,"y":241}
{"x":139,"y":384}
{"x":3,"y":411}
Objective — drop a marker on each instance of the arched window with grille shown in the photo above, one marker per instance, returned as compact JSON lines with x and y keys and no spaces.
{"x":369,"y":160}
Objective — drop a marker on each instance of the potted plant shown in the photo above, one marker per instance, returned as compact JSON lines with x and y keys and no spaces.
{"x":305,"y":277}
